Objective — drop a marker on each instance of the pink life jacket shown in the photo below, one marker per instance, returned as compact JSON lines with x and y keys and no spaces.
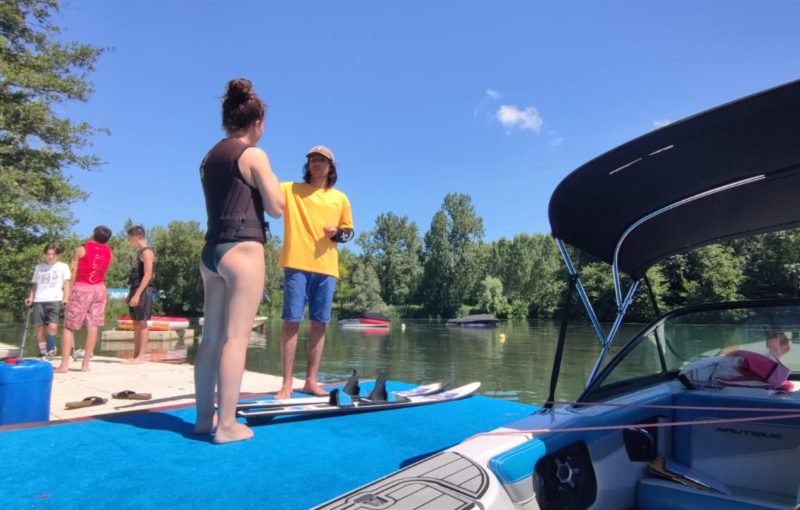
{"x":759,"y":371}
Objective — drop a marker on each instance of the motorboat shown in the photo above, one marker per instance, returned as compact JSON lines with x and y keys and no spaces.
{"x":474,"y":321}
{"x":682,"y":415}
{"x":368,"y":320}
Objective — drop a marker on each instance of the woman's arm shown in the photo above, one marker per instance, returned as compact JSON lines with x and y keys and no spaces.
{"x":257,"y":171}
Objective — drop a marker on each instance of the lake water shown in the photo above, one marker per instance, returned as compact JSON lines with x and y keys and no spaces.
{"x":512,"y":362}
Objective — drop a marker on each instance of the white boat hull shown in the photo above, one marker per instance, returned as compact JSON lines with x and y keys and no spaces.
{"x":356,"y":324}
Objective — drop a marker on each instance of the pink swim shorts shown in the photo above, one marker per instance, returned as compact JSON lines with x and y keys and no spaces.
{"x":87,"y":304}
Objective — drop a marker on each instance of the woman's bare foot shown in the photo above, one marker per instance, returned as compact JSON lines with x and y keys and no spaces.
{"x":314,"y":389}
{"x":204,"y":427}
{"x":237,"y":432}
{"x":85,"y":368}
{"x":135,"y":361}
{"x":61,"y":370}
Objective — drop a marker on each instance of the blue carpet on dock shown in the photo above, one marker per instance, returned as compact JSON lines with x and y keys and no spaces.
{"x":152,"y":459}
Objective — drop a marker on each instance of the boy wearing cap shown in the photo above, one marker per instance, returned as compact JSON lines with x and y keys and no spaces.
{"x":315,"y":219}
{"x":87,"y":301}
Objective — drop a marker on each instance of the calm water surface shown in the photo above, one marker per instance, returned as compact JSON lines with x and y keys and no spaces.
{"x":512,"y":362}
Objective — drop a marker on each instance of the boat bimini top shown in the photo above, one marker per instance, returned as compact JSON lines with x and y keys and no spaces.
{"x":729,"y":172}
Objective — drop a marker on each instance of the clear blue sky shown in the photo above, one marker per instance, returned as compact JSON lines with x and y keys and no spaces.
{"x":499,"y":100}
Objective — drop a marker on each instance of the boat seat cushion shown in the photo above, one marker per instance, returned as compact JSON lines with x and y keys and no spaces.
{"x":653,"y":493}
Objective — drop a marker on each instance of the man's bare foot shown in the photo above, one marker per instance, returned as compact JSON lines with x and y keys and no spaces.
{"x":61,"y":370}
{"x":204,"y":427}
{"x":135,"y":361}
{"x":314,"y":389}
{"x":284,"y":393}
{"x":237,"y":432}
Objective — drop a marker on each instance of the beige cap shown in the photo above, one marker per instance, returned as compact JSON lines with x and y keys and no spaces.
{"x":321,"y":149}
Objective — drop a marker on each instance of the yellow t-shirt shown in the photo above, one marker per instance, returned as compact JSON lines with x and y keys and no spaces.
{"x":307,"y":211}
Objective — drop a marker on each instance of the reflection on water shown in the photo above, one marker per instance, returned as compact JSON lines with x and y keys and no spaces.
{"x":512,"y":362}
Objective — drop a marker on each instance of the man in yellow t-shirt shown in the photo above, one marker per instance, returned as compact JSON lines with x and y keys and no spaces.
{"x":316,"y":217}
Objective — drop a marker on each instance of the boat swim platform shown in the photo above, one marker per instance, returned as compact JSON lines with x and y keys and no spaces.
{"x":152,"y":459}
{"x":169,"y":384}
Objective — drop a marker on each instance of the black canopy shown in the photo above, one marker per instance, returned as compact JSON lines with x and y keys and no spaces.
{"x":757,"y":135}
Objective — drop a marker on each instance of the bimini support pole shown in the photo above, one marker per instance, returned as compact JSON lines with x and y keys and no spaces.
{"x":624,"y":303}
{"x":658,"y":212}
{"x":581,"y":291}
{"x":621,"y":312}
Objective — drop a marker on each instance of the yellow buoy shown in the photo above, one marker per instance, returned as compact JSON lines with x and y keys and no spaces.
{"x":502,"y":338}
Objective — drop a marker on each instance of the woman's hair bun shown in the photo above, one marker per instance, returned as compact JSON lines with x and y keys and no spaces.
{"x":241,"y":106}
{"x":240,"y":89}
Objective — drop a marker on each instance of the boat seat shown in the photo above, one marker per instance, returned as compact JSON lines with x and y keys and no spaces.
{"x":654,"y":493}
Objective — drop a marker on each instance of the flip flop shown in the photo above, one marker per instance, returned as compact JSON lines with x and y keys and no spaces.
{"x":132,"y":395}
{"x":87,"y":402}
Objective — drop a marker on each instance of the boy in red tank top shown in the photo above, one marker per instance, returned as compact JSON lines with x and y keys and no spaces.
{"x":87,"y":302}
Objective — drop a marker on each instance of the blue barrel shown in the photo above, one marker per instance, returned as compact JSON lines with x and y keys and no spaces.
{"x":25,"y":391}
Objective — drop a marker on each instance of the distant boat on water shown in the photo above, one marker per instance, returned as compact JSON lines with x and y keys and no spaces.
{"x":482,"y":320}
{"x":366,"y":321}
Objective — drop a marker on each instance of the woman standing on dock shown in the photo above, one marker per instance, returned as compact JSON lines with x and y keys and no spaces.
{"x":239,"y":185}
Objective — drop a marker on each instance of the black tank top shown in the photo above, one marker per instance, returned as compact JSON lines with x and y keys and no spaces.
{"x":234,"y":208}
{"x":137,"y":270}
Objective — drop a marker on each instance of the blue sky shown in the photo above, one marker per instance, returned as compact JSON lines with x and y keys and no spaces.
{"x":499,"y":100}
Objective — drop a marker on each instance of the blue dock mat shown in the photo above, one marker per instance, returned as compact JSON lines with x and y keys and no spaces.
{"x":152,"y":459}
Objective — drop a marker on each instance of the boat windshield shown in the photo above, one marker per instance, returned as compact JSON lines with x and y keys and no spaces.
{"x":664,"y":347}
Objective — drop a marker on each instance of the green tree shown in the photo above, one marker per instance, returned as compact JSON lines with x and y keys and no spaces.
{"x":393,"y":249}
{"x":177,"y":268}
{"x":452,"y":262}
{"x":771,"y":265}
{"x":274,"y":278}
{"x":366,"y":295}
{"x":531,"y":270}
{"x":344,"y":288}
{"x":492,"y":299}
{"x":38,"y":74}
{"x":707,"y":275}
{"x":120,"y":268}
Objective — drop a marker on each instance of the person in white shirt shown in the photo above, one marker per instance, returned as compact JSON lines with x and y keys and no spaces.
{"x":49,"y":291}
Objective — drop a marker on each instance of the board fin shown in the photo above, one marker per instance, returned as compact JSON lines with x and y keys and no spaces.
{"x":378,"y":393}
{"x":352,"y":387}
{"x":340,"y":398}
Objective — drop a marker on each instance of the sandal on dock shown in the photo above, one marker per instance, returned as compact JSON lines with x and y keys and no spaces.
{"x":87,"y":402}
{"x":132,"y":395}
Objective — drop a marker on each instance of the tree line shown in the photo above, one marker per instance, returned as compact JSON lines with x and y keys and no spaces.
{"x":449,"y":270}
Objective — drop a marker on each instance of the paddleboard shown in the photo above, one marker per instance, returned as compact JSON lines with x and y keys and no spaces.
{"x":348,"y":405}
{"x":428,"y":389}
{"x":156,"y":323}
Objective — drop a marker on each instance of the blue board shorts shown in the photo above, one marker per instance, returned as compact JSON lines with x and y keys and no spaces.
{"x":301,"y":287}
